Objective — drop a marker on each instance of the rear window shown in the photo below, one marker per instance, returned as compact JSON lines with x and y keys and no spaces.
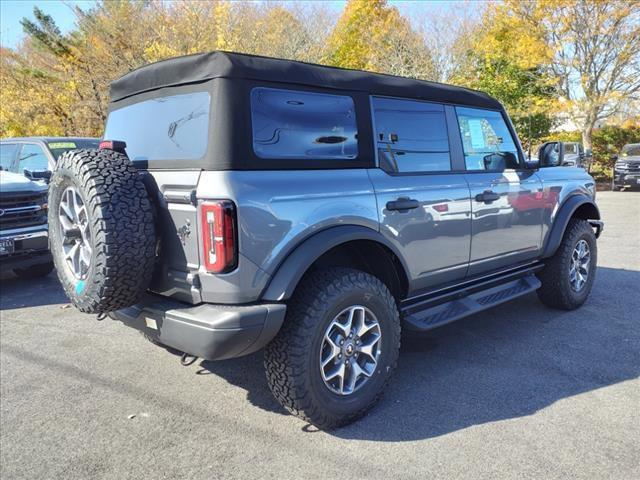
{"x":294,"y":124}
{"x":174,"y":127}
{"x":58,"y":147}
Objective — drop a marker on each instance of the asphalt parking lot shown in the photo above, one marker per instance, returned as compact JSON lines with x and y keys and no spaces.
{"x":520,"y":391}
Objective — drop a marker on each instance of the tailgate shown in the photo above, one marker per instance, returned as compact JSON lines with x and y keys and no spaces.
{"x":176,"y":225}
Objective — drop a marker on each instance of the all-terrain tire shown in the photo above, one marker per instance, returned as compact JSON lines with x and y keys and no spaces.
{"x":292,"y":359}
{"x":119,"y":215}
{"x":34,"y":271}
{"x":556,"y":290}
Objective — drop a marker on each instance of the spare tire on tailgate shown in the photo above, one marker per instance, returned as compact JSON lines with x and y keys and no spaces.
{"x":101,"y":230}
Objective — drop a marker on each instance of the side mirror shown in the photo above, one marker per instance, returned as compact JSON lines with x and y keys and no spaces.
{"x":36,"y":175}
{"x":551,"y":154}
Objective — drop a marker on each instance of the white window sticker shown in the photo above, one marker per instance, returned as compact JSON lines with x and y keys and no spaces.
{"x":477,"y":136}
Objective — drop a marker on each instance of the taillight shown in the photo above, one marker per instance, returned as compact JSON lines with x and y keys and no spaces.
{"x":114,"y":145}
{"x":219,"y":236}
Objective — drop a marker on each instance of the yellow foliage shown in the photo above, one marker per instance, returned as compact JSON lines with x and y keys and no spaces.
{"x":371,"y":35}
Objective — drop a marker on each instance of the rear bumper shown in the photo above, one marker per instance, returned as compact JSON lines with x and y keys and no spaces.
{"x":211,"y":332}
{"x":31,"y":248}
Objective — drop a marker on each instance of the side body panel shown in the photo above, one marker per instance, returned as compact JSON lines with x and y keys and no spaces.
{"x":277,"y":211}
{"x":560,"y":183}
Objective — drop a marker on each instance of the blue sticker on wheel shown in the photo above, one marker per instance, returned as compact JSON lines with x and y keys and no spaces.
{"x":79,"y":287}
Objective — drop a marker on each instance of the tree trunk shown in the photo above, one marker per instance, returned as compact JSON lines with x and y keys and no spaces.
{"x":587,"y":132}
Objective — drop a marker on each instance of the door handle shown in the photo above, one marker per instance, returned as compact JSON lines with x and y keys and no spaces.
{"x":487,"y":197}
{"x":403,"y":203}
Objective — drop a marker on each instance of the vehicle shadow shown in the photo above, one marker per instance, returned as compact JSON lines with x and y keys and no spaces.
{"x":508,"y":362}
{"x":19,"y":293}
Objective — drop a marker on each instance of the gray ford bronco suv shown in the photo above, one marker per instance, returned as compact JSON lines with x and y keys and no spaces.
{"x":241,"y":202}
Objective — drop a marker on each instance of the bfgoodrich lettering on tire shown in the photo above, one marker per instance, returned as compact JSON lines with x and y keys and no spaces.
{"x":101,"y":230}
{"x":337,"y":349}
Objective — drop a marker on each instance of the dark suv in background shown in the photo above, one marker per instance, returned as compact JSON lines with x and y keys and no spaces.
{"x":241,"y":202}
{"x":626,"y":171}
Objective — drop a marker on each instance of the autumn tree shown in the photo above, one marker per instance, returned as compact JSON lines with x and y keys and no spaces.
{"x":594,"y":49}
{"x":371,"y":35}
{"x":508,"y":61}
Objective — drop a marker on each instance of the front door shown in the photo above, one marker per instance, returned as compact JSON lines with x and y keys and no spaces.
{"x":507,"y":202}
{"x":424,"y":208}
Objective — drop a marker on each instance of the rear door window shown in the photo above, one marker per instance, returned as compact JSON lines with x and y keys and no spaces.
{"x":32,"y":157}
{"x":486,"y":140}
{"x":411,"y":136}
{"x":174,"y":127}
{"x":294,"y":124}
{"x":8,"y":152}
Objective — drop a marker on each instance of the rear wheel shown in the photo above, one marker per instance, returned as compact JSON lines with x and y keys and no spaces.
{"x":101,"y":230}
{"x":337,"y":349}
{"x":568,"y":276}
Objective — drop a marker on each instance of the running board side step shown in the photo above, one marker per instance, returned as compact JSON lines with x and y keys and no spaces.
{"x":453,"y":310}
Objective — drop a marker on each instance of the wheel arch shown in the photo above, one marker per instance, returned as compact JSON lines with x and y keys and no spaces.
{"x":576,"y":206}
{"x":347,"y":245}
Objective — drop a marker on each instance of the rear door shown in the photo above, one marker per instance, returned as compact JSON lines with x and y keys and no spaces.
{"x":424,"y":207}
{"x":506,"y":200}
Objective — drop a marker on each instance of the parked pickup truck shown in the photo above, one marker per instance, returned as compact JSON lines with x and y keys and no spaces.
{"x":240,"y":203}
{"x":24,"y":246}
{"x":35,"y":157}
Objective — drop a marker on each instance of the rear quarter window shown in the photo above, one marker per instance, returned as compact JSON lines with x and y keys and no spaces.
{"x":294,"y":124}
{"x":174,"y":127}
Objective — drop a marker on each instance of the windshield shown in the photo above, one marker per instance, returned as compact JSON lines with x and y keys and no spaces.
{"x":58,"y":147}
{"x":631,"y":150}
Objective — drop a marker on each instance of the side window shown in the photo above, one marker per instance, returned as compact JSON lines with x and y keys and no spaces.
{"x":486,"y":140}
{"x":8,"y":153}
{"x":32,"y":157}
{"x":293,"y":124}
{"x":411,"y":136}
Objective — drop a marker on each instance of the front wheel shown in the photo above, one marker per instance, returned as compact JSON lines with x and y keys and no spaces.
{"x":337,"y":349}
{"x":568,"y":276}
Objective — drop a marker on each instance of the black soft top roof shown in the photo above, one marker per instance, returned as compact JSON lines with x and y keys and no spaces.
{"x":206,"y":66}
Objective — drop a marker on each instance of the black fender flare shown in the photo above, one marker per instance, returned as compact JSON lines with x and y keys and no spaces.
{"x":291,"y":270}
{"x":564,"y":215}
